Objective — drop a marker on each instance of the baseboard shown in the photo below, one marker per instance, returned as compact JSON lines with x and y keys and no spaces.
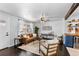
{"x":10,"y":46}
{"x":3,"y":49}
{"x":17,"y":45}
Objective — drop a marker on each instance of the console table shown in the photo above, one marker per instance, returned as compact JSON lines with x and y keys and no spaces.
{"x":15,"y":41}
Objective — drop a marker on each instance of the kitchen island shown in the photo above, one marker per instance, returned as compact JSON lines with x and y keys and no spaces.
{"x":72,"y":40}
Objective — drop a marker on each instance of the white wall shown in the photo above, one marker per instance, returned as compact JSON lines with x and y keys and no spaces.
{"x":11,"y":26}
{"x":23,"y":24}
{"x":4,"y":40}
{"x":13,"y":29}
{"x":57,"y":26}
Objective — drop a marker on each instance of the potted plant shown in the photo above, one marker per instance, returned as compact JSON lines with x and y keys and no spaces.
{"x":36,"y":29}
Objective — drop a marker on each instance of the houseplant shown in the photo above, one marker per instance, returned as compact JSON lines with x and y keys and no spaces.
{"x":36,"y":29}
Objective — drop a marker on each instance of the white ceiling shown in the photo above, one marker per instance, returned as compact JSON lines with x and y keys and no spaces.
{"x":33,"y":11}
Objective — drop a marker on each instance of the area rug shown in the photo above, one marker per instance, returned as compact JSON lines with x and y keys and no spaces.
{"x":32,"y":47}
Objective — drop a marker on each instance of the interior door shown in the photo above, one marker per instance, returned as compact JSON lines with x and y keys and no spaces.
{"x":4,"y":34}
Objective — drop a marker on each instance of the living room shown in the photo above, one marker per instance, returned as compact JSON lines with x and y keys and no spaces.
{"x":28,"y":27}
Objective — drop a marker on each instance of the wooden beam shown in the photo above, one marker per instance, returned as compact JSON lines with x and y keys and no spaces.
{"x":71,"y":10}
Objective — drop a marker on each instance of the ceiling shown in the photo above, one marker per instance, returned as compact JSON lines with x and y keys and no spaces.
{"x":75,"y":14}
{"x":33,"y":11}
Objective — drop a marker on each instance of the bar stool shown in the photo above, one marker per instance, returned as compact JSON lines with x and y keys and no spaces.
{"x":76,"y":42}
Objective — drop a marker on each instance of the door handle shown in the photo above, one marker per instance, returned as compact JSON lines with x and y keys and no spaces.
{"x":7,"y":34}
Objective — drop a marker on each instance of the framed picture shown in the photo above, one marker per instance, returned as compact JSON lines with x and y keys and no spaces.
{"x":47,"y":28}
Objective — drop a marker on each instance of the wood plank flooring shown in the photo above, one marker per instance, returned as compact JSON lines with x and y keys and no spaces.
{"x":12,"y":51}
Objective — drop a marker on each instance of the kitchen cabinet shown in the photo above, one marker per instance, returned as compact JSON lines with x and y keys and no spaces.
{"x":69,"y":41}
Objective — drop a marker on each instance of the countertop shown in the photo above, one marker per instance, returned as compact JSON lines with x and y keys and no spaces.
{"x":73,"y":34}
{"x":73,"y":51}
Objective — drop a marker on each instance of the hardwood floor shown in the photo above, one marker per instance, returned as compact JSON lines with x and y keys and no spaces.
{"x":63,"y":51}
{"x":12,"y":51}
